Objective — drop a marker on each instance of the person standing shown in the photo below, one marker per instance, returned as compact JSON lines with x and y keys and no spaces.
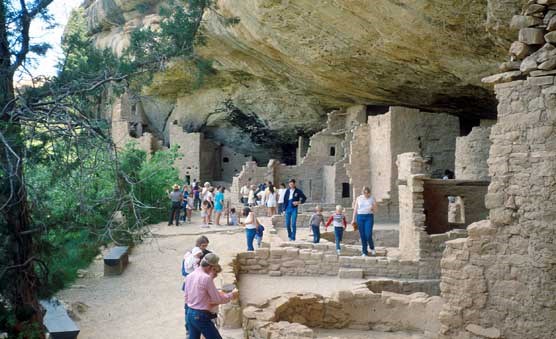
{"x":196,"y":195}
{"x":271,"y":200}
{"x":251,"y":223}
{"x":200,"y":296}
{"x":219,"y":204}
{"x":364,"y":208}
{"x":293,"y":197}
{"x":244,"y":192}
{"x":176,"y":197}
{"x":281,"y":192}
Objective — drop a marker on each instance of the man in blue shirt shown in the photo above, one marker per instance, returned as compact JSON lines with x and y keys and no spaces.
{"x":293,"y":197}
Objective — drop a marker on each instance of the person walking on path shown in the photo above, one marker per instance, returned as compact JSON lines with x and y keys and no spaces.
{"x":293,"y":197}
{"x":316,"y":220}
{"x":200,"y":297}
{"x":281,"y":192}
{"x":364,"y":208}
{"x":338,"y":220}
{"x":219,"y":204}
{"x":176,"y":197}
{"x":251,"y":223}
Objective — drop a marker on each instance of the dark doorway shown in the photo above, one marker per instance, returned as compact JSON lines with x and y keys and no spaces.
{"x":345,"y":190}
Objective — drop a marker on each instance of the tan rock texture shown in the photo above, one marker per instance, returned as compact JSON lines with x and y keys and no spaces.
{"x":500,"y":282}
{"x":429,"y":54}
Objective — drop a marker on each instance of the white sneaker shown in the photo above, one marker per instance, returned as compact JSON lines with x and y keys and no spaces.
{"x":363,"y":255}
{"x":373,"y":253}
{"x":338,"y":252}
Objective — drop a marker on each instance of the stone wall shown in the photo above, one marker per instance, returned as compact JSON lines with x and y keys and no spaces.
{"x":500,"y":282}
{"x":472,"y":154}
{"x":127,"y":126}
{"x":415,"y":242}
{"x":358,"y":167}
{"x":470,"y":199}
{"x":232,"y":163}
{"x":306,"y":259}
{"x":293,"y":315}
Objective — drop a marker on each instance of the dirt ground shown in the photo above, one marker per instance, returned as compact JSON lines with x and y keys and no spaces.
{"x":146,"y":300}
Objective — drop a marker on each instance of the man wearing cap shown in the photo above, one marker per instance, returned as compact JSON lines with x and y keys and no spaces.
{"x":176,"y":197}
{"x":293,"y":197}
{"x":200,"y":297}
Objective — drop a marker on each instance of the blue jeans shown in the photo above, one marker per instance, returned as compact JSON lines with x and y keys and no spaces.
{"x":338,"y":234}
{"x":365,"y":223}
{"x":250,"y":234}
{"x":258,"y":239}
{"x":280,"y":208}
{"x":198,"y":323}
{"x":291,"y":219}
{"x":316,"y":234}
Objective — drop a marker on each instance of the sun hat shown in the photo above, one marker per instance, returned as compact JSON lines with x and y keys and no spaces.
{"x":176,"y":186}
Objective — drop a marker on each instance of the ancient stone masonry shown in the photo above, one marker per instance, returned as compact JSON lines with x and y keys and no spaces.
{"x":293,"y":315}
{"x":534,"y":53}
{"x":321,"y":174}
{"x":500,"y":282}
{"x":424,"y":208}
{"x":472,"y":154}
{"x":203,"y":159}
{"x":127,"y":125}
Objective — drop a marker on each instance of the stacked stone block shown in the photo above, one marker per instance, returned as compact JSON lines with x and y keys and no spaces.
{"x":293,"y":315}
{"x":500,"y":282}
{"x":534,"y":52}
{"x":306,"y":259}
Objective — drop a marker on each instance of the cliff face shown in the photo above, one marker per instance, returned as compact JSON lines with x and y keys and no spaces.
{"x":289,"y":61}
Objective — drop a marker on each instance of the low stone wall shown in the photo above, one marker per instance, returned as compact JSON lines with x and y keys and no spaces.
{"x":429,"y":286}
{"x":321,"y":259}
{"x":382,"y":238}
{"x":292,"y":315}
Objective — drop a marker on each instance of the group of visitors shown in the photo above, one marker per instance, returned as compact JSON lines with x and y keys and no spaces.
{"x":199,"y":268}
{"x":265,"y":194}
{"x":364,"y":208}
{"x":208,"y":199}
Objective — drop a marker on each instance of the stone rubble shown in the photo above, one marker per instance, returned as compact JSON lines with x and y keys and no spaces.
{"x":534,"y":49}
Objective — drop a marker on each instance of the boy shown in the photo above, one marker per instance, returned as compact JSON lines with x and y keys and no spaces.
{"x":316,"y":220}
{"x":338,"y":219}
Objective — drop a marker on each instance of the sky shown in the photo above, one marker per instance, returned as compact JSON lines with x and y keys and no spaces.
{"x":46,"y":65}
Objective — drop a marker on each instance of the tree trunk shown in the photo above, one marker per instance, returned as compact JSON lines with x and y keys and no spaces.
{"x":21,"y":273}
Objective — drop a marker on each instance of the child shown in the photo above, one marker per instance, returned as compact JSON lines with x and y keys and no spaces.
{"x":204,"y":213}
{"x":184,"y":203}
{"x":259,"y":234}
{"x":233,"y":217}
{"x":190,"y":262}
{"x":189,"y":210}
{"x":316,"y":220}
{"x":339,"y":221}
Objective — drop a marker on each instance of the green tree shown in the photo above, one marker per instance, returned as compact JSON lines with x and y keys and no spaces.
{"x":58,"y":116}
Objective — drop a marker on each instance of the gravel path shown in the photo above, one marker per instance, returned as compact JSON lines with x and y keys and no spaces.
{"x":145,"y":301}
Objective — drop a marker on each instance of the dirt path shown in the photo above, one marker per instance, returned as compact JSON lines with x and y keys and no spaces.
{"x":145,"y":301}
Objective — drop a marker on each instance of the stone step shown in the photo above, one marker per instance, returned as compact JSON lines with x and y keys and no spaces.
{"x":350,"y":273}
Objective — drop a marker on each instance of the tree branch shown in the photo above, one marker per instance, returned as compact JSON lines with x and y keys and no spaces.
{"x":26,"y":17}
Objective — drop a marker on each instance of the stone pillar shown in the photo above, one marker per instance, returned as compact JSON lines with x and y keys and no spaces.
{"x":412,"y":170}
{"x":501,"y":281}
